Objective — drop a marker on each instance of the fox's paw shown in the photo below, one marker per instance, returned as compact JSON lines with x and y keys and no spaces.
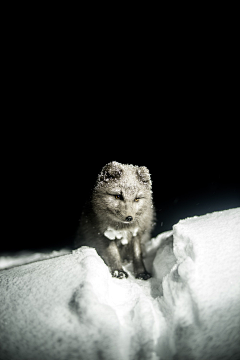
{"x":120,"y":274}
{"x":144,"y":276}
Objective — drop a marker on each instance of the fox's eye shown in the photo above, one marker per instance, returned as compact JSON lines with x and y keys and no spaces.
{"x":137,"y":199}
{"x":119,"y":197}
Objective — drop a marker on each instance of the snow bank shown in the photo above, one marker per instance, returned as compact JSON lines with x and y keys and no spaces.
{"x":202,"y":291}
{"x":69,"y":307}
{"x":26,"y":257}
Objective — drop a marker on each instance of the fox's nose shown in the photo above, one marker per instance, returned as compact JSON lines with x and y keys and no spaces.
{"x":129,"y":218}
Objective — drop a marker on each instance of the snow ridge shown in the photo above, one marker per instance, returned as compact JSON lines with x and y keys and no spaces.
{"x":69,"y":307}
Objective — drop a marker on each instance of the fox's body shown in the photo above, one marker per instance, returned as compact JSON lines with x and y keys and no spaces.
{"x":119,"y":217}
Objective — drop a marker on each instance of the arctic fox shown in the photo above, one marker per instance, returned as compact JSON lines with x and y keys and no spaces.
{"x":119,"y":217}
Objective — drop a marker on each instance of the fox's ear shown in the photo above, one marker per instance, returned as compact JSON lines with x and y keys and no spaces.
{"x":112,"y":170}
{"x":144,"y":175}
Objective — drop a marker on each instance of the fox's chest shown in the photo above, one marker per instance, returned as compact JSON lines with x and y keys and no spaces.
{"x":124,"y":235}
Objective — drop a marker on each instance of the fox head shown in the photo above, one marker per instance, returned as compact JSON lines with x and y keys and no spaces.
{"x":123,"y":192}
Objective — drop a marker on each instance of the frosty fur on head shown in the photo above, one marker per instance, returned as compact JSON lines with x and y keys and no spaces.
{"x":114,"y":170}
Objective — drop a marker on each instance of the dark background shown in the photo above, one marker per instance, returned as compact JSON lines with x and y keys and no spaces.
{"x":74,"y":103}
{"x":53,"y":171}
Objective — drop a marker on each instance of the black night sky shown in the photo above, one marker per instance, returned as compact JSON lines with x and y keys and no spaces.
{"x":66,"y":121}
{"x":76,"y":102}
{"x":54,"y":169}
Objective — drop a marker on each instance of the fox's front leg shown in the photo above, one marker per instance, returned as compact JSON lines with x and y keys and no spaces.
{"x":111,"y":256}
{"x":138,"y":265}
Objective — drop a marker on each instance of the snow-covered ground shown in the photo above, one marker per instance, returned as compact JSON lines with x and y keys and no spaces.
{"x":67,"y":306}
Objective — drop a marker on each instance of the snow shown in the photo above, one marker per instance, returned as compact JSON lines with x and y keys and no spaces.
{"x":68,"y":306}
{"x":25,"y":257}
{"x":202,"y":290}
{"x":113,"y":234}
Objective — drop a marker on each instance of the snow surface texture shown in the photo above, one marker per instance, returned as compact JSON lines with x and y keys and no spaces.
{"x":69,"y":307}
